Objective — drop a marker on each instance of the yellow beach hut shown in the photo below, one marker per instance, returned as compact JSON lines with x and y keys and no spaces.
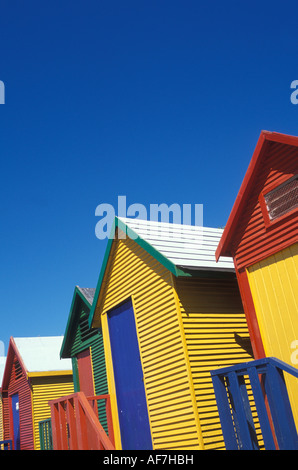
{"x":169,"y":314}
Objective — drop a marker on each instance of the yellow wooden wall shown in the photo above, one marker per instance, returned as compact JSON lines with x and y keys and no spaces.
{"x":1,"y":419}
{"x":216,"y":335}
{"x":173,"y":416}
{"x":274,"y":286}
{"x":43,"y":390}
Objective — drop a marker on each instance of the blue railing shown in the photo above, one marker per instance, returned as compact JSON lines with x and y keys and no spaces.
{"x":270,"y":398}
{"x":6,"y":445}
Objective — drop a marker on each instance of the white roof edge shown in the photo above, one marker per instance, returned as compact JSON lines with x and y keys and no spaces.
{"x":200,"y":256}
{"x":42,"y":353}
{"x":128,"y":220}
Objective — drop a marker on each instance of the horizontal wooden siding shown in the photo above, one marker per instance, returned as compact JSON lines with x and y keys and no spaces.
{"x":45,"y":389}
{"x":274,"y":287}
{"x":252,"y":241}
{"x":100,"y":377}
{"x":216,"y":335}
{"x":172,"y":414}
{"x":21,"y":386}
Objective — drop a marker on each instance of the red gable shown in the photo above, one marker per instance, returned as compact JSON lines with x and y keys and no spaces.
{"x":13,"y":358}
{"x":253,"y":232}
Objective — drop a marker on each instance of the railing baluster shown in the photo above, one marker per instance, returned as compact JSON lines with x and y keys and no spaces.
{"x":272,"y":404}
{"x":248,"y":412}
{"x":280,"y":407}
{"x":70,"y":414}
{"x":81,"y":426}
{"x":225,"y":413}
{"x":109,"y":419}
{"x":261,"y":408}
{"x":62,"y":426}
{"x":81,"y":420}
{"x":240,"y":418}
{"x":55,"y":426}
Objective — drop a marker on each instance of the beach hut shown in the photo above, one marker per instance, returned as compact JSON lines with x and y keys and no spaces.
{"x":261,"y":236}
{"x":85,"y":348}
{"x":169,"y":314}
{"x":33,"y":374}
{"x":2,"y":365}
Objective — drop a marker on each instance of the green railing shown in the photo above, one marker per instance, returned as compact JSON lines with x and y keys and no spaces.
{"x":45,"y":434}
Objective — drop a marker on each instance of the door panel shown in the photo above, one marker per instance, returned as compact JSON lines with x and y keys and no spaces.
{"x":128,"y":376}
{"x":85,"y":373}
{"x":16,"y":420}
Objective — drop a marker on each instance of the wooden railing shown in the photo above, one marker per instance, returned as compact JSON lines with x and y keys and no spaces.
{"x":75,"y":423}
{"x":265,"y":378}
{"x":6,"y":445}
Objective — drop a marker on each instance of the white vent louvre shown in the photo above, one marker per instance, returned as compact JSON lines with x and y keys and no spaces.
{"x":282,"y":199}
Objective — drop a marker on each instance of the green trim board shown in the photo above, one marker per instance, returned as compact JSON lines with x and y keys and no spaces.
{"x":79,"y":337}
{"x":78,"y":297}
{"x":75,"y":374}
{"x":198,"y":263}
{"x":142,"y":243}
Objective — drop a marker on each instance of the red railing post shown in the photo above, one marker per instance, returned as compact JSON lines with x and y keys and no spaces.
{"x":81,"y":425}
{"x":75,"y":423}
{"x":109,"y":419}
{"x":72,"y":430}
{"x":55,"y":426}
{"x":62,"y":425}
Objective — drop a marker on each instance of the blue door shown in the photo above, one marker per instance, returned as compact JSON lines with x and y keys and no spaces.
{"x":16,"y":420}
{"x":128,"y":376}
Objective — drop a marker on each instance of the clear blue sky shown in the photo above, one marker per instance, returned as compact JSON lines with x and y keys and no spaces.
{"x":162,"y":101}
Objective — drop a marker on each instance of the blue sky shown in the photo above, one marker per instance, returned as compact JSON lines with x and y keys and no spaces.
{"x":160,"y":101}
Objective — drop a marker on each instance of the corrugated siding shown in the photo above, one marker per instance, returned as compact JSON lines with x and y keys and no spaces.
{"x":5,"y":415}
{"x":93,"y":338}
{"x":274,"y":287}
{"x":217,"y":336}
{"x":21,"y":387}
{"x":184,"y":245}
{"x":45,"y":389}
{"x":82,"y":333}
{"x":1,"y":419}
{"x":251,"y":240}
{"x":85,"y":373}
{"x":172,"y":413}
{"x":100,"y":377}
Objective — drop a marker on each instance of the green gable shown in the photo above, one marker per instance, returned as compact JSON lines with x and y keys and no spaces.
{"x":78,"y":337}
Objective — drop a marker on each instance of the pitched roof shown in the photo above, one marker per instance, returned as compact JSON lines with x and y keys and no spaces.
{"x":183,"y":249}
{"x":186,"y":246}
{"x":41,"y":354}
{"x":223,"y":248}
{"x":86,"y":294}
